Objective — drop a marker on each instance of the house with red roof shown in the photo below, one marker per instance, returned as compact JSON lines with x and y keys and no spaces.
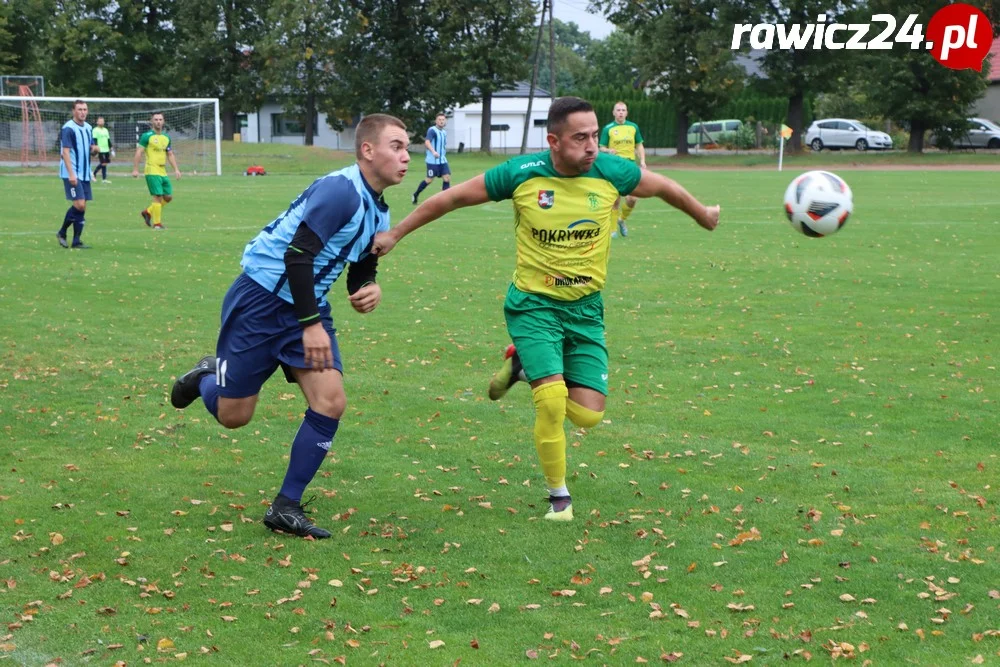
{"x":989,"y":105}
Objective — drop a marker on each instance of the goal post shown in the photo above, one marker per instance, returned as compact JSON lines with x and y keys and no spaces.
{"x":30,"y":127}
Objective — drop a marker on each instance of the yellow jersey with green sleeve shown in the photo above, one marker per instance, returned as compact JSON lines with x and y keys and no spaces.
{"x":157,"y":146}
{"x":562,"y":224}
{"x":622,"y":138}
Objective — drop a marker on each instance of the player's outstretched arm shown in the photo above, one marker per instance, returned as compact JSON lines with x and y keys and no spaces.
{"x":652,"y":184}
{"x":470,"y":193}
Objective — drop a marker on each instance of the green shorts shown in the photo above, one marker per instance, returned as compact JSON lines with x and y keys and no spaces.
{"x":559,"y":337}
{"x":159,"y":185}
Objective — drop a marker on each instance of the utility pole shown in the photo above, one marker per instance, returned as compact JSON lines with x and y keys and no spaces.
{"x":552,"y":49}
{"x":534,"y":79}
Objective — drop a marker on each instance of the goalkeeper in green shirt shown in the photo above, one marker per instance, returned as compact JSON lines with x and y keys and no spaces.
{"x":103,"y":140}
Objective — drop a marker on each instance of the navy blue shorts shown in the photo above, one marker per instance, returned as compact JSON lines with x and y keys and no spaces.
{"x":437,"y":170}
{"x":80,"y":191}
{"x":259,"y":333}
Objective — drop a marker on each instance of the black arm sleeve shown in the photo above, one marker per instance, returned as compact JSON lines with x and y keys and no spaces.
{"x":299,"y":258}
{"x":361,"y":273}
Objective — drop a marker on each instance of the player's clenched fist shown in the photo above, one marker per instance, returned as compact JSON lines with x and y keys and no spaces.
{"x":383,"y":243}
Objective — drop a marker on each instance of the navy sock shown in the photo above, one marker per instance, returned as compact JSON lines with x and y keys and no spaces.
{"x":445,"y":185}
{"x":68,"y":221}
{"x":420,"y":188}
{"x":309,"y":448}
{"x":77,"y":229}
{"x":209,"y":388}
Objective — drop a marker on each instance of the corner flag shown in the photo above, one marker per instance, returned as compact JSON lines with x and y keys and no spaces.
{"x":784,"y":133}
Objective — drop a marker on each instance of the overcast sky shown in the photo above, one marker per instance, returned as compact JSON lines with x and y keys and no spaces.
{"x":576,"y":11}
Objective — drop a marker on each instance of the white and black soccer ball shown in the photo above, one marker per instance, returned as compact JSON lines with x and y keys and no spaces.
{"x":818,"y":203}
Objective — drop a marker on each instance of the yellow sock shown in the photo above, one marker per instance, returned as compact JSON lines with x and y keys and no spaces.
{"x":550,"y":439}
{"x":626,"y":210}
{"x":154,"y":211}
{"x":582,"y":416}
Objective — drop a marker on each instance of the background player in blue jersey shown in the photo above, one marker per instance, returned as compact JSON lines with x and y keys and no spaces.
{"x":77,"y":141}
{"x":437,"y":162}
{"x":276,"y":312}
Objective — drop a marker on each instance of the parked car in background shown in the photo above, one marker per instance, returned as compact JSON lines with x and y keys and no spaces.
{"x":713,"y":131}
{"x":980,"y":133}
{"x":845,"y":133}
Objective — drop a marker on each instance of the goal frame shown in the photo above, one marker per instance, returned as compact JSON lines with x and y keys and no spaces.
{"x":142,"y":100}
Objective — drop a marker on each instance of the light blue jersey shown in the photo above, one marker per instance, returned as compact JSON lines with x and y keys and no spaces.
{"x":438,"y":139}
{"x":78,"y":139}
{"x":342,"y":210}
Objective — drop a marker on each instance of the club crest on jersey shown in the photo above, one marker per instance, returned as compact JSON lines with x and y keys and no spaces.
{"x":546,"y":198}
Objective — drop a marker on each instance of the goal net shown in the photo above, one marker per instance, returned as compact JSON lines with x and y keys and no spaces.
{"x":30,"y":128}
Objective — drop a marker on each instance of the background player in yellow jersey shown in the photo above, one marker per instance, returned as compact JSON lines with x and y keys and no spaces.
{"x":564,"y":211}
{"x":623,"y":138}
{"x":155,"y":145}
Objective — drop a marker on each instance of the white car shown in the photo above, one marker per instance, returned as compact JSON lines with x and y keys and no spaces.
{"x":980,"y":133}
{"x":845,"y":133}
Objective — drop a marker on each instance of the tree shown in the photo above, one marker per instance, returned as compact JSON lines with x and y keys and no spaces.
{"x":221,"y":41}
{"x":796,"y":73}
{"x":684,"y":53}
{"x":79,"y":38}
{"x":301,"y":52}
{"x":912,"y":88}
{"x":7,"y":56}
{"x":613,"y":62}
{"x":494,"y":38}
{"x":397,"y":57}
{"x":572,"y":67}
{"x":28,"y":22}
{"x":110,"y":48}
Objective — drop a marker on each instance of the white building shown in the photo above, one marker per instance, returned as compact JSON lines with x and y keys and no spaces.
{"x":270,"y":124}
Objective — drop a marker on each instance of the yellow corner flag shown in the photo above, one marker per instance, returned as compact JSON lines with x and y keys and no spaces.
{"x":786,"y":132}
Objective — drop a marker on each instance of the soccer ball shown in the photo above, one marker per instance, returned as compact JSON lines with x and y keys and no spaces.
{"x":818,"y":203}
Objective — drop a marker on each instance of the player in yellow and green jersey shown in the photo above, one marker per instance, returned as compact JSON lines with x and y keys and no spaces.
{"x":623,"y":138}
{"x":155,"y":145}
{"x":564,"y":212}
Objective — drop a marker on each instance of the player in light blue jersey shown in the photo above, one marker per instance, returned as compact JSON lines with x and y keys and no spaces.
{"x":276,"y":313}
{"x":436,"y":144}
{"x":77,"y":142}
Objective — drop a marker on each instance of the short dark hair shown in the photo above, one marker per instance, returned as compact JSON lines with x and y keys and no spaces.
{"x":75,"y":102}
{"x":156,"y":113}
{"x":560,"y":110}
{"x":370,"y":128}
{"x":441,"y":113}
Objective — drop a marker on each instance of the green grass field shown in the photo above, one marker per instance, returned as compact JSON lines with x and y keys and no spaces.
{"x":799,"y":458}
